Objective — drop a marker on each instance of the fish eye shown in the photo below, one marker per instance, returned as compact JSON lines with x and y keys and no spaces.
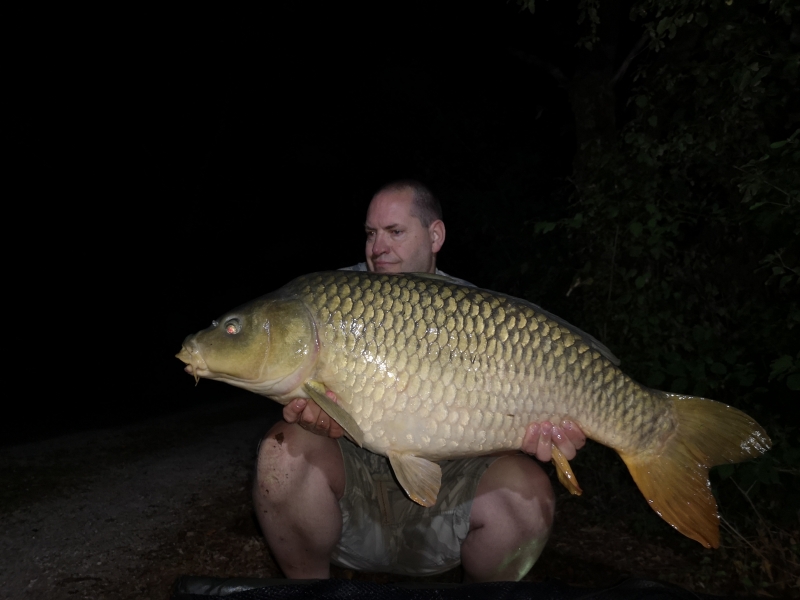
{"x":233,"y":327}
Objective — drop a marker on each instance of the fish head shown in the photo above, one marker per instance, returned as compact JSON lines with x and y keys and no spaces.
{"x":267,"y":346}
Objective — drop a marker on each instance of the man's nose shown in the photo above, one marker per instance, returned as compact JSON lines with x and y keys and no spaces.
{"x":379,"y":246}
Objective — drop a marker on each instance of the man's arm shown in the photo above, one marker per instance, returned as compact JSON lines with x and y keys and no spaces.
{"x":538,"y":440}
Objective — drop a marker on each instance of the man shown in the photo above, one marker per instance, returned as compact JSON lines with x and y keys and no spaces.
{"x":319,"y":499}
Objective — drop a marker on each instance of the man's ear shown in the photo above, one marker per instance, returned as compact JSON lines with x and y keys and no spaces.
{"x":437,"y":233}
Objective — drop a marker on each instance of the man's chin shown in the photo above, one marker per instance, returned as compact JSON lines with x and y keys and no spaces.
{"x":387,"y":268}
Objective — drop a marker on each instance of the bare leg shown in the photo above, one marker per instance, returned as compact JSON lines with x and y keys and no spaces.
{"x":510,"y":522}
{"x":299,"y":480}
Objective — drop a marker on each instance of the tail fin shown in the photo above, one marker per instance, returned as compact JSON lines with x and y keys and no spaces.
{"x":674,"y":478}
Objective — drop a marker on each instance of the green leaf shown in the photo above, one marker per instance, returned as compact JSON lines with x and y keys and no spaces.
{"x":793,"y":382}
{"x":781,"y":365}
{"x":780,"y":144}
{"x":747,"y":75}
{"x":653,"y":120}
{"x":543,"y":227}
{"x":641,"y":101}
{"x":761,"y":74}
{"x":636,"y":228}
{"x":702,"y":78}
{"x":718,"y":369}
{"x":746,"y":379}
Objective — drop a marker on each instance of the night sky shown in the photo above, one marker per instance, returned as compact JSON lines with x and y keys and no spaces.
{"x":174,"y":164}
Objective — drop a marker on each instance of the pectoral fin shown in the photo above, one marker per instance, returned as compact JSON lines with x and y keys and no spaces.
{"x":419,"y":477}
{"x":564,"y":472}
{"x":317,"y":390}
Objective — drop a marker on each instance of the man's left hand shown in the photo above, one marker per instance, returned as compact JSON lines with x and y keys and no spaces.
{"x":311,"y":417}
{"x":540,"y":437}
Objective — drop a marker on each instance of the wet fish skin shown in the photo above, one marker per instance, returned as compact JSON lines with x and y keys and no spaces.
{"x":425,"y":369}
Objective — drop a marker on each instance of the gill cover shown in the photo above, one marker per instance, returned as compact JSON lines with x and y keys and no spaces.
{"x":261,"y":342}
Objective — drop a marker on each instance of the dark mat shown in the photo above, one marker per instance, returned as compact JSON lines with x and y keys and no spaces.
{"x":208,"y":588}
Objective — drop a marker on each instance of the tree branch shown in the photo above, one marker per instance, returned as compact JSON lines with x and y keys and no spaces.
{"x":631,"y":55}
{"x":554,"y":71}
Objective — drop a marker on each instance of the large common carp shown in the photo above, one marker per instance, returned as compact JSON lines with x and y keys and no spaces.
{"x":425,"y":369}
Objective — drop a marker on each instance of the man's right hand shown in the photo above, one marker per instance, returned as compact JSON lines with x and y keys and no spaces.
{"x":311,"y":417}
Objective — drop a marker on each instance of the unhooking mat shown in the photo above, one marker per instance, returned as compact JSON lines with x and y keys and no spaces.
{"x":208,"y":588}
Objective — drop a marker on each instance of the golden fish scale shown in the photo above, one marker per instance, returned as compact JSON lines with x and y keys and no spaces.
{"x":424,"y":363}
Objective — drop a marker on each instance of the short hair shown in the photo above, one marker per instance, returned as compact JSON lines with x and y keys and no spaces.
{"x":425,"y":206}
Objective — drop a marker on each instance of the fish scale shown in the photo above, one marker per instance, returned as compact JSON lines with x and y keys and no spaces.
{"x":425,"y":369}
{"x":526,"y":354}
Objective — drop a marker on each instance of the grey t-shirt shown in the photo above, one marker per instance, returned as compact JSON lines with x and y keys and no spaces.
{"x":363,"y":267}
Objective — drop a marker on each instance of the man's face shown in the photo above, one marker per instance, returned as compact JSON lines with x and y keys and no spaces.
{"x":396,"y":241}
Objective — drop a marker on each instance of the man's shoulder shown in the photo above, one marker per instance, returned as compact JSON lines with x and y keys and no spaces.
{"x":455,"y":279}
{"x":358,"y":267}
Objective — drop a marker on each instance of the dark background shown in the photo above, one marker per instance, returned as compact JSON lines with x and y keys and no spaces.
{"x":167,"y":165}
{"x":171,"y":164}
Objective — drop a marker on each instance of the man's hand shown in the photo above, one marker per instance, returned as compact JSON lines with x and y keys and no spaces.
{"x":540,"y":437}
{"x":311,"y":417}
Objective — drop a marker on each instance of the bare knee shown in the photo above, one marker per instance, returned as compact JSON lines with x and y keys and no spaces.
{"x":281,"y":443}
{"x":519,"y":487}
{"x":510,"y":522}
{"x":299,"y":481}
{"x":288,"y":457}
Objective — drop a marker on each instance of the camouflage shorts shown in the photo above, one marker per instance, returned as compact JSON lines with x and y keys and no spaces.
{"x":382,"y":530}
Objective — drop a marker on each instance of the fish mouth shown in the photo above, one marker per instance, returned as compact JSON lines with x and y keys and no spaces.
{"x":195,"y":365}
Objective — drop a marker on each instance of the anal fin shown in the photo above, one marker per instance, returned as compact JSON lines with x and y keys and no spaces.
{"x":419,"y":477}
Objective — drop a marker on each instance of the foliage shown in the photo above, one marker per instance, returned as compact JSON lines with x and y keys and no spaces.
{"x":588,"y":13}
{"x":684,"y":234}
{"x":688,"y":230}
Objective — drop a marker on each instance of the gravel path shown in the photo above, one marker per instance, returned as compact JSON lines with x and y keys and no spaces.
{"x":87,"y":515}
{"x":121,"y":513}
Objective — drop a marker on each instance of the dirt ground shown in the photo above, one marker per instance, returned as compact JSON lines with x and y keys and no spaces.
{"x":121,"y":513}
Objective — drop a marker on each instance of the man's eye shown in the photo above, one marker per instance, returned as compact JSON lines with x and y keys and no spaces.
{"x":370,"y":234}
